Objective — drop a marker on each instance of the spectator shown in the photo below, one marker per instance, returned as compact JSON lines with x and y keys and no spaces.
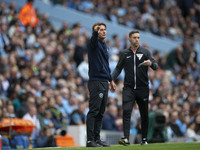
{"x":78,"y":117}
{"x":110,"y":121}
{"x":83,"y":68}
{"x":57,"y":117}
{"x":19,"y":100}
{"x":181,"y":122}
{"x":25,"y":107}
{"x":191,"y":132}
{"x":41,"y":107}
{"x":10,"y":111}
{"x":31,"y":115}
{"x":59,"y":105}
{"x":197,"y":122}
{"x":39,"y":53}
{"x":65,"y":100}
{"x":46,"y":138}
{"x":175,"y":130}
{"x":4,"y":38}
{"x":80,"y":50}
{"x":175,"y":59}
{"x":28,"y":15}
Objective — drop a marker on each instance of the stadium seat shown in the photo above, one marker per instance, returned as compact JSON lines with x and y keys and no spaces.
{"x":65,"y":141}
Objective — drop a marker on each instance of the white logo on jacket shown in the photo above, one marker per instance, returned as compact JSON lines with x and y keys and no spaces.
{"x":101,"y":95}
{"x":145,"y":99}
{"x":128,"y":56}
{"x":139,"y":56}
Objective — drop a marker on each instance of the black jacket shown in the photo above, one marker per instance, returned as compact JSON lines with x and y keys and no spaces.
{"x":98,"y":59}
{"x":135,"y":77}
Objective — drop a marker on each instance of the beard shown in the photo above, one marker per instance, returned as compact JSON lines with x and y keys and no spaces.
{"x":136,"y":44}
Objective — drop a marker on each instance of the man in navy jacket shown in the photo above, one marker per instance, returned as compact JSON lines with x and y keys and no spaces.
{"x":98,"y":85}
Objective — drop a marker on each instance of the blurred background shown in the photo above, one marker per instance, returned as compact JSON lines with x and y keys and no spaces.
{"x":44,"y":68}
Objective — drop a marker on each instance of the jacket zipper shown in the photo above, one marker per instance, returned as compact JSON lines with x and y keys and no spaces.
{"x":134,"y":70}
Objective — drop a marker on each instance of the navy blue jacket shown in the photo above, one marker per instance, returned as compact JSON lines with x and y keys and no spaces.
{"x":98,"y":59}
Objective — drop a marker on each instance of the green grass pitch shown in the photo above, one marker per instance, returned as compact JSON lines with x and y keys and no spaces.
{"x":156,"y":146}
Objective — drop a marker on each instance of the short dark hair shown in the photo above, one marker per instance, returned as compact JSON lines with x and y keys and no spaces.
{"x":97,"y":24}
{"x":133,"y":32}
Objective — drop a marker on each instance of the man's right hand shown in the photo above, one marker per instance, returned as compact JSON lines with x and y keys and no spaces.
{"x":96,"y":28}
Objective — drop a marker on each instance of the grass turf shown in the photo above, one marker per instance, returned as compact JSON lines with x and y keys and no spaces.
{"x":156,"y":146}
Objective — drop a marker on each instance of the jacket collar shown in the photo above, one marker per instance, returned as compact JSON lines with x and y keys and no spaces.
{"x":137,"y":50}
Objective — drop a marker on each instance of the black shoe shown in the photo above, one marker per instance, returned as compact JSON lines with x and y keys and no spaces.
{"x":144,"y":142}
{"x":93,"y":144}
{"x":124,"y":141}
{"x":104,"y":144}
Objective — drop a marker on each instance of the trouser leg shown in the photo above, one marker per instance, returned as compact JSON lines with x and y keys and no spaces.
{"x":128,"y":102}
{"x":98,"y":121}
{"x":98,"y":99}
{"x":142,"y":100}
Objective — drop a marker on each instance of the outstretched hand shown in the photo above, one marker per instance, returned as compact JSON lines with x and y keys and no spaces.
{"x":112,"y":86}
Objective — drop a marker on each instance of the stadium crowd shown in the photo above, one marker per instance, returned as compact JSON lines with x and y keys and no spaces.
{"x":175,"y":19}
{"x":44,"y":71}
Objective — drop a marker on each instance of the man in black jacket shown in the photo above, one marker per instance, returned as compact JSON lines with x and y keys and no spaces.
{"x":99,"y":76}
{"x":135,"y":61}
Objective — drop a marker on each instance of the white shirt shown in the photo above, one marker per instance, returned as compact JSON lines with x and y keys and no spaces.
{"x":34,"y":119}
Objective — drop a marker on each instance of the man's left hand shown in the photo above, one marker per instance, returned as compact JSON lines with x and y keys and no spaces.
{"x":112,"y":86}
{"x":147,"y":63}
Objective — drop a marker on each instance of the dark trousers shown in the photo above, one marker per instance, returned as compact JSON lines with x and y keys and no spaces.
{"x":142,"y":98}
{"x":98,"y":98}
